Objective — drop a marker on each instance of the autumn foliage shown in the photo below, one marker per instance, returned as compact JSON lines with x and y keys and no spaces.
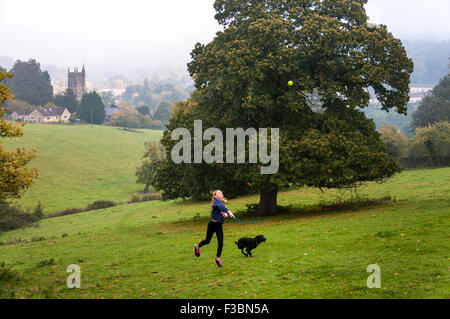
{"x":305,"y":67}
{"x":15,"y":176}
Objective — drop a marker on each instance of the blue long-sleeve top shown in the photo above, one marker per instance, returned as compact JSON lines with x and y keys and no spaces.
{"x":217,"y":208}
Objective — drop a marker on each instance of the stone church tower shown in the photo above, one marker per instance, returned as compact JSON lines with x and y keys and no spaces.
{"x":77,"y":82}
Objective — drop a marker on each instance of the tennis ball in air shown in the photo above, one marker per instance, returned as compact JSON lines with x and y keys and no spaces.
{"x":290,"y":83}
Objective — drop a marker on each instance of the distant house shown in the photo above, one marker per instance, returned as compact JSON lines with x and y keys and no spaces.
{"x":42,"y":115}
{"x":21,"y":115}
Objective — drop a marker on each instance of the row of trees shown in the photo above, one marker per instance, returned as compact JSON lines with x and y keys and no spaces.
{"x":89,"y":110}
{"x":128,"y":117}
{"x":429,"y":146}
{"x":430,"y":143}
{"x":155,"y":91}
{"x":66,"y":99}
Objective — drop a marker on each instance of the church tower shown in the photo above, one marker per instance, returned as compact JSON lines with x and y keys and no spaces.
{"x":77,"y":82}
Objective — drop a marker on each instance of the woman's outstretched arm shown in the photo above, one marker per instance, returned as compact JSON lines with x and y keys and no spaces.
{"x":219,"y":204}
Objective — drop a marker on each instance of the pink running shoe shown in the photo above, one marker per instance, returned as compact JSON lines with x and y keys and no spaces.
{"x":196,"y":250}
{"x":218,"y":262}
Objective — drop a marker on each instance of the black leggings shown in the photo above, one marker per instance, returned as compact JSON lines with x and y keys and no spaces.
{"x":214,"y":227}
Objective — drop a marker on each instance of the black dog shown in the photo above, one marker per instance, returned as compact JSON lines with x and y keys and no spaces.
{"x":249,"y":243}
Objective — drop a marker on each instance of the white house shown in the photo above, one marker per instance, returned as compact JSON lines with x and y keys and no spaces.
{"x":42,"y":115}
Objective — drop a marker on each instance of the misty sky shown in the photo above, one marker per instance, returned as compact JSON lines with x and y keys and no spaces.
{"x":113,"y":34}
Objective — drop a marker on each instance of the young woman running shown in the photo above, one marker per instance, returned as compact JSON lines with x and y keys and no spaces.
{"x":219,"y":213}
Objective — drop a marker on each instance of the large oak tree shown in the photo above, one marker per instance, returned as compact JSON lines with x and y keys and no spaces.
{"x":333,"y":58}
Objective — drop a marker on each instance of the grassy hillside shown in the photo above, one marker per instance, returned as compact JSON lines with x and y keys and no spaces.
{"x":79,"y":164}
{"x":145,"y":250}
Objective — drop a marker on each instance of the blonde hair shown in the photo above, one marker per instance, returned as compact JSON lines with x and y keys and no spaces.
{"x":223,"y":199}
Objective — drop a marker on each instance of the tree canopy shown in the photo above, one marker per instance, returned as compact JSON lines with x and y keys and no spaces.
{"x":30,"y":83}
{"x":14,"y":174}
{"x":129,"y":117}
{"x":332,"y":56}
{"x":144,"y":110}
{"x":434,"y":107}
{"x":433,"y":141}
{"x":67,"y":99}
{"x":395,"y":141}
{"x":91,"y":108}
{"x":163,"y":112}
{"x":154,"y":153}
{"x":153,"y":92}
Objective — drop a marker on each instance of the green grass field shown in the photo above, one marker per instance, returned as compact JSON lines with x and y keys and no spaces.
{"x":145,"y":250}
{"x":80,"y":164}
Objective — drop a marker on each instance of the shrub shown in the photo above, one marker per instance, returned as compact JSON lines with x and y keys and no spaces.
{"x":16,"y":241}
{"x":128,"y":117}
{"x":387,"y":233}
{"x":46,"y":262}
{"x":151,"y":197}
{"x":134,"y":199}
{"x":396,"y":142}
{"x":100,"y":204}
{"x":145,"y":198}
{"x":73,"y":119}
{"x":13,"y":218}
{"x":65,"y":212}
{"x":37,"y":238}
{"x":432,"y":141}
{"x":6,"y":275}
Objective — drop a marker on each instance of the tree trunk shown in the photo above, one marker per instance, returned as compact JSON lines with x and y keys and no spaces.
{"x":433,"y":153}
{"x":268,"y":200}
{"x":147,"y":186}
